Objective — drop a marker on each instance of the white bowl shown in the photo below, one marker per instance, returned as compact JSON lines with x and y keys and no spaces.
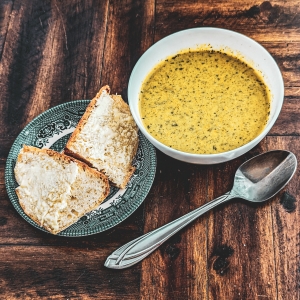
{"x":252,"y":52}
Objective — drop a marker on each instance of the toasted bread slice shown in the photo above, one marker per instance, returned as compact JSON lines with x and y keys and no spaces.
{"x":106,"y":137}
{"x":56,"y":190}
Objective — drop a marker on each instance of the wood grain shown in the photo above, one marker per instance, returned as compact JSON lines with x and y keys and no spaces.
{"x":62,"y":273}
{"x":183,"y":257}
{"x":286,"y":220}
{"x":286,"y":55}
{"x":241,"y":263}
{"x":5,"y":11}
{"x":56,"y":51}
{"x":288,"y":122}
{"x":129,"y":34}
{"x":44,"y":62}
{"x":252,"y":18}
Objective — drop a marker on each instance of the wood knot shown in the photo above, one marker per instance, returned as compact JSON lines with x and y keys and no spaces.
{"x":252,"y":11}
{"x":288,"y":202}
{"x":266,"y":5}
{"x":171,"y":249}
{"x":221,"y":262}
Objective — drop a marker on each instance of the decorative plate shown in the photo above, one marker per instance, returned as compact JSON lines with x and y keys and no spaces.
{"x":52,"y":129}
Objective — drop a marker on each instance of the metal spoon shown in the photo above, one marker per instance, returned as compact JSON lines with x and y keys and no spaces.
{"x":256,"y":180}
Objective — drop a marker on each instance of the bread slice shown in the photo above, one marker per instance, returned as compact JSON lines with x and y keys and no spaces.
{"x":106,"y":137}
{"x":56,"y":190}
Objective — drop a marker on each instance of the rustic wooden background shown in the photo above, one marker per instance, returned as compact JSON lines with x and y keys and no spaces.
{"x":53,"y":52}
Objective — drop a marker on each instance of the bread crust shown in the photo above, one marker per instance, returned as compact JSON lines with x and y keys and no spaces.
{"x":123,"y":107}
{"x":67,"y":159}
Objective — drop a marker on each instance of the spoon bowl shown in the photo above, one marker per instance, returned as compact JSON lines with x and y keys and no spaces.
{"x":256,"y":180}
{"x":261,"y":177}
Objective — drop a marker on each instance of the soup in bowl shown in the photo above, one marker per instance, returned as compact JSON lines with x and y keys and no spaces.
{"x":208,"y":99}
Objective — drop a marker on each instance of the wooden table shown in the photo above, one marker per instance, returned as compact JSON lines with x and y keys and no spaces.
{"x":53,"y":52}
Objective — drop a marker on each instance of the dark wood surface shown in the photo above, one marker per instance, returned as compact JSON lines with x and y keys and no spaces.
{"x":53,"y":52}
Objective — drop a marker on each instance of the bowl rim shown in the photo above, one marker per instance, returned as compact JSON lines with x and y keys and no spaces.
{"x":231,"y":153}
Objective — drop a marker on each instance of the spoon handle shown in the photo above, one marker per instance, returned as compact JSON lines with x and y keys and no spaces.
{"x":136,"y":250}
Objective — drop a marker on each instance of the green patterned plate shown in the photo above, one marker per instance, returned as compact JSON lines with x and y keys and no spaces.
{"x":52,"y":129}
